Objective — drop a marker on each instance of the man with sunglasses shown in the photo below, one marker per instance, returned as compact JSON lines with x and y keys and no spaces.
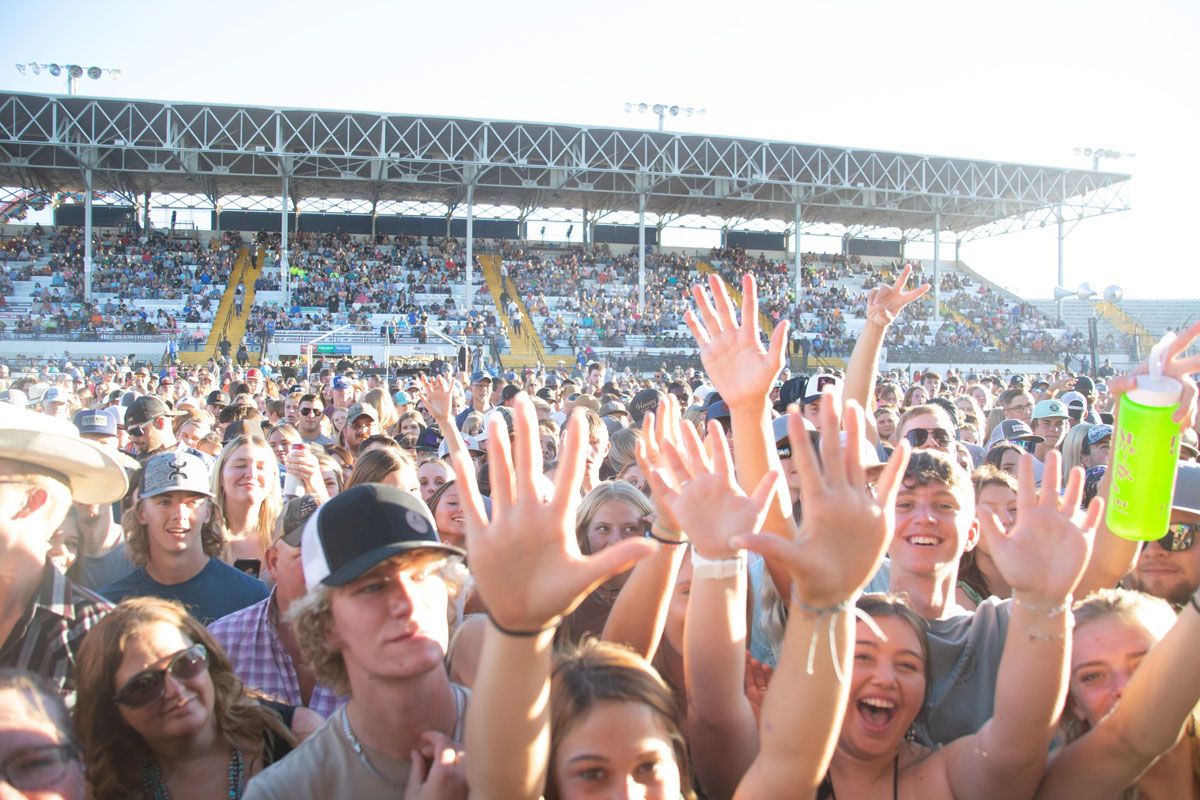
{"x":171,"y":540}
{"x":44,"y":466}
{"x":1170,"y":567}
{"x":149,"y":425}
{"x":311,"y":413}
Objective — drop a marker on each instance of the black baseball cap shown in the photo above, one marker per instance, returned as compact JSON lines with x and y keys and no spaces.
{"x":146,"y":408}
{"x":217,"y":398}
{"x":643,"y":401}
{"x":361,"y":528}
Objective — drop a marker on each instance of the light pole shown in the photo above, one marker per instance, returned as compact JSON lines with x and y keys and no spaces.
{"x":1085,"y":292}
{"x":1098,"y":153}
{"x":661,"y":110}
{"x":74,"y":72}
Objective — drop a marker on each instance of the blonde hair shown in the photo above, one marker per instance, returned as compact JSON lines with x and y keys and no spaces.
{"x":1072,"y":446}
{"x":271,"y":506}
{"x":622,"y":448}
{"x":114,"y":753}
{"x":608,"y":490}
{"x":382,"y":402}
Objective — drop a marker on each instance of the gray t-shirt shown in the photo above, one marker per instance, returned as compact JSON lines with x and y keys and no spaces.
{"x":325,"y":766}
{"x":964,"y":652}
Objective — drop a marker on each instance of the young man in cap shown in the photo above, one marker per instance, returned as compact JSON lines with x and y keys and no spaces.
{"x":311,"y":413}
{"x":1050,"y":421}
{"x":215,"y":402}
{"x":375,"y":625}
{"x":1097,"y":446}
{"x":44,"y":465}
{"x":481,"y":397}
{"x":56,"y":402}
{"x":344,"y":392}
{"x":362,"y":422}
{"x":259,"y":640}
{"x":176,"y":547}
{"x":148,"y":423}
{"x":1170,"y":567}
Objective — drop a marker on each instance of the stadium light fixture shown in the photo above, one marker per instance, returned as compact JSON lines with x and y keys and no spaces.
{"x":73,"y":71}
{"x":1096,"y":154}
{"x":661,"y":110}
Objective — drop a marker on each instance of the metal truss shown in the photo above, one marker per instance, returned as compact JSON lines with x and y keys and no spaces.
{"x":135,"y":146}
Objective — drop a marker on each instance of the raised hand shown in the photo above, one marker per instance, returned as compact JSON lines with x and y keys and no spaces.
{"x":1176,"y":367}
{"x":437,"y":393}
{"x":734,"y":358}
{"x":1045,"y":552}
{"x":758,"y":678}
{"x":658,"y":430}
{"x":884,"y":303}
{"x":526,"y":560}
{"x":846,"y":528}
{"x":700,"y":490}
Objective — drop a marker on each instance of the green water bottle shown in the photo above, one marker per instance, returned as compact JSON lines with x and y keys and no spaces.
{"x":1145,"y":454}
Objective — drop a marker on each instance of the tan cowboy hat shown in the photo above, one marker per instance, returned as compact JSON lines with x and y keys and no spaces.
{"x":94,"y":474}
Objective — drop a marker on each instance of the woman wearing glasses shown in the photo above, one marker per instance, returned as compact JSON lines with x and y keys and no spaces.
{"x":38,"y":755}
{"x":161,"y":713}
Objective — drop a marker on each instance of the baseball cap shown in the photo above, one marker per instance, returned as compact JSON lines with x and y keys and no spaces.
{"x":96,"y":422}
{"x":1050,"y":409}
{"x":1190,"y":446}
{"x":779,"y":429}
{"x":253,"y":373}
{"x":479,"y":376}
{"x":717,"y":409}
{"x":1098,"y":433}
{"x":340,"y":382}
{"x":217,"y":398}
{"x":587,"y":401}
{"x":643,"y":401}
{"x":401,"y":398}
{"x":361,"y":409}
{"x":289,"y":528}
{"x":146,"y":408}
{"x":1187,"y":487}
{"x":1013,"y":430}
{"x":613,"y":407}
{"x":174,"y":472}
{"x":361,"y":528}
{"x":1084,"y":385}
{"x":817,"y":385}
{"x":54,"y":394}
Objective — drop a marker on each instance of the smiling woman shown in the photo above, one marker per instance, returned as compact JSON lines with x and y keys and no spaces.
{"x":160,"y":709}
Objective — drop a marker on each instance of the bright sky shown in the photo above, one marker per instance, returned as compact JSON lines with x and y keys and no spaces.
{"x":1019,"y":81}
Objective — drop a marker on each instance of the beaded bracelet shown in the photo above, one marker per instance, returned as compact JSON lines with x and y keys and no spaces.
{"x":549,"y":626}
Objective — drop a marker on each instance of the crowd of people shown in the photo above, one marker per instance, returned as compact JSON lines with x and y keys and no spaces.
{"x":261,"y":582}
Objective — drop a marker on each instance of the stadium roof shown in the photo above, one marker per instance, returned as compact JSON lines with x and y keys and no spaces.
{"x":47,"y":142}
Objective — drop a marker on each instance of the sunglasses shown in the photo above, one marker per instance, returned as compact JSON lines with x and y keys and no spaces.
{"x":148,"y":686}
{"x":917,"y":437}
{"x":311,"y":412}
{"x":1180,"y":536}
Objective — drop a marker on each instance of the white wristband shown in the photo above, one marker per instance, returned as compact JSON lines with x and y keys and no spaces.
{"x":717,"y":568}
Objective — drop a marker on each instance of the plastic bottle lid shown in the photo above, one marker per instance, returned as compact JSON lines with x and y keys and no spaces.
{"x":1156,"y":391}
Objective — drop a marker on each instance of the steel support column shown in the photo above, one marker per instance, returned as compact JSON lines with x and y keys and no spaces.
{"x":937,"y":266}
{"x":470,"y":273}
{"x":1061,"y":260}
{"x":642,"y":254}
{"x":799,"y":261}
{"x":285,"y":277}
{"x":87,"y":236}
{"x":146,"y":225}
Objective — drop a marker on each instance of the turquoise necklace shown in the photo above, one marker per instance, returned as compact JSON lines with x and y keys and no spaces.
{"x":155,"y":788}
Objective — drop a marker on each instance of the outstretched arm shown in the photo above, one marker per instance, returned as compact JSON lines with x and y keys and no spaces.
{"x":845,"y":533}
{"x":1042,"y":558}
{"x":530,"y":574}
{"x":1146,"y":723}
{"x":884,"y":304}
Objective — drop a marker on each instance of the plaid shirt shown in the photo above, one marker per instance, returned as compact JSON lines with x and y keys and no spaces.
{"x":47,"y":637}
{"x":252,"y":643}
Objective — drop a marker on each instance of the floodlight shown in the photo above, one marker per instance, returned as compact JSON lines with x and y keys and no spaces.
{"x":688,"y":111}
{"x":642,"y":108}
{"x":74,"y":70}
{"x":674,"y":111}
{"x":21,"y":68}
{"x":54,"y":70}
{"x":1114,"y":294}
{"x":37,"y":70}
{"x":658,"y":108}
{"x":94,"y":73}
{"x":628,"y":108}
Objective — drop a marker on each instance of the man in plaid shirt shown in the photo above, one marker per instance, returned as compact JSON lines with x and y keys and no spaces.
{"x":258,"y":640}
{"x":44,"y":465}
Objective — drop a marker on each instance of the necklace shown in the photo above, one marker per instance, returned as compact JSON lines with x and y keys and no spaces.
{"x":362,"y":754}
{"x":153,"y":785}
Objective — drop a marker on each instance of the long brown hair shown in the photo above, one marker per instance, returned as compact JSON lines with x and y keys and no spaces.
{"x":596,"y":672}
{"x":113,"y":752}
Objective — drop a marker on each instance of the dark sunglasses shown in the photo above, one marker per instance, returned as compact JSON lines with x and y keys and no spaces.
{"x":917,"y":437}
{"x":1180,"y":536}
{"x":784,"y":446}
{"x":311,"y":412}
{"x":148,"y":686}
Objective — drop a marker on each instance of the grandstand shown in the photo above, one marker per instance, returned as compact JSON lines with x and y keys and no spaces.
{"x":377,"y":281}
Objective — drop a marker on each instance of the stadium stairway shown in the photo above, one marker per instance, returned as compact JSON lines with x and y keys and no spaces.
{"x":1125,"y":323}
{"x":227,"y":322}
{"x":951,"y":314}
{"x":525,"y":350}
{"x":764,"y":322}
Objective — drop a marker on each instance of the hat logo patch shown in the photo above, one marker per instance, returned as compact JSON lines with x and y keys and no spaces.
{"x":416,"y":521}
